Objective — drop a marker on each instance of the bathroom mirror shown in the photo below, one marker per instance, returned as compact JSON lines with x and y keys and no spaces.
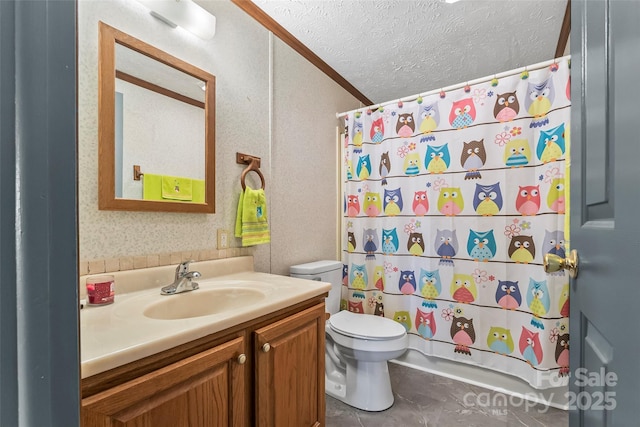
{"x":156,"y":129}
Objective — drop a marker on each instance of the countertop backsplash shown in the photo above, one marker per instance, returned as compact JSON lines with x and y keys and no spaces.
{"x":143,"y":263}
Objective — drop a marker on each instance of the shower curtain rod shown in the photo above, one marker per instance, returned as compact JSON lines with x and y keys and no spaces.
{"x":533,"y":67}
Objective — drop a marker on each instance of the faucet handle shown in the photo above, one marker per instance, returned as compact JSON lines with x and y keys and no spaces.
{"x":183,"y":268}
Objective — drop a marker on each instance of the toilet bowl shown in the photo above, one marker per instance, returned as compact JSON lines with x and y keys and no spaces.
{"x":358,"y":346}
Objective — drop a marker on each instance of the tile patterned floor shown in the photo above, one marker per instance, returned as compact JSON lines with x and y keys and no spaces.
{"x":423,"y":399}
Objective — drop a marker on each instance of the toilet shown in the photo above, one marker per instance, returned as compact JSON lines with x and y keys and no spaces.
{"x":357,"y":346}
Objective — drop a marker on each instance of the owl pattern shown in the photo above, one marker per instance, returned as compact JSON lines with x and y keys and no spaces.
{"x":463,"y":334}
{"x":370,"y":243}
{"x":506,"y":107}
{"x":473,"y":158}
{"x":463,"y":288}
{"x":385,"y":167}
{"x":429,"y":120}
{"x":446,"y":245}
{"x":554,"y":244}
{"x":405,"y":125}
{"x":538,"y":102}
{"x":378,"y":278}
{"x":378,"y":308}
{"x":538,"y":301}
{"x":356,"y":307}
{"x":522,"y":249}
{"x":392,"y":202}
{"x":450,"y":201}
{"x":389,"y":241}
{"x":358,"y":276}
{"x":357,"y":137}
{"x":462,"y":114}
{"x":500,"y":340}
{"x":517,"y":153}
{"x":563,"y":302}
{"x":353,"y":205}
{"x":420,"y":203}
{"x":481,"y":246}
{"x":372,"y":204}
{"x":376,"y":132}
{"x":411,"y":166}
{"x":487,"y":199}
{"x":562,"y":354}
{"x":513,"y":180}
{"x":528,"y":200}
{"x":404,"y":318}
{"x":551,"y":144}
{"x":555,"y":197}
{"x":415,"y":244}
{"x":345,"y":275}
{"x":425,"y":324}
{"x":437,"y":159}
{"x":508,"y":294}
{"x":363,"y":169}
{"x":351,"y":242}
{"x":407,"y":283}
{"x":530,"y":348}
{"x":430,"y":287}
{"x":349,"y":170}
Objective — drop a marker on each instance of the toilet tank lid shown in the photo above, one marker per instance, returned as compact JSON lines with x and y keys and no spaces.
{"x":316,"y":267}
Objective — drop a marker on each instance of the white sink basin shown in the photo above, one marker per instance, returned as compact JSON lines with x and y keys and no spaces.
{"x":142,"y":322}
{"x":202,"y":302}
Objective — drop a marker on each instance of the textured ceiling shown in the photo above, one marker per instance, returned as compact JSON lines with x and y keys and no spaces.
{"x":389,"y":49}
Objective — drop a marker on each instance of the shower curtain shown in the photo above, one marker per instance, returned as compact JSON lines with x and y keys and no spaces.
{"x":451,"y":201}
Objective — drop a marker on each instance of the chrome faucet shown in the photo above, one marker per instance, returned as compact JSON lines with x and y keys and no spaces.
{"x":183,"y":280}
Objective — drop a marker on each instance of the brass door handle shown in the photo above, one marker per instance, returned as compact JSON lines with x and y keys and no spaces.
{"x":553,"y":263}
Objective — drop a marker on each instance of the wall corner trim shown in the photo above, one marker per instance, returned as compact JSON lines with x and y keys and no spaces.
{"x":565,"y":30}
{"x":270,"y":24}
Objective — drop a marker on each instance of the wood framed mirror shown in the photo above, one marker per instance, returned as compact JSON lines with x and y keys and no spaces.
{"x":156,"y":129}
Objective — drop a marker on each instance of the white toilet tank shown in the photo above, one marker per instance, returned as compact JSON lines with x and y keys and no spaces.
{"x":323,"y":271}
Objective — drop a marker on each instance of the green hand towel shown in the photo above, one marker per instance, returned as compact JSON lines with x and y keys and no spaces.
{"x":176,"y":188}
{"x":251,"y":218}
{"x":198,"y":190}
{"x":151,"y":187}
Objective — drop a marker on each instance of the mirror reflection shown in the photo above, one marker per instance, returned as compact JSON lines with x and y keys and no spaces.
{"x":159,"y":119}
{"x":156,"y":123}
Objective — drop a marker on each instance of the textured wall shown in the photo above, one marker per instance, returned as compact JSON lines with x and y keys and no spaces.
{"x":239,"y":58}
{"x":304,"y":207}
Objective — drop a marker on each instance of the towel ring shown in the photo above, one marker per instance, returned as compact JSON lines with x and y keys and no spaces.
{"x":253,"y":166}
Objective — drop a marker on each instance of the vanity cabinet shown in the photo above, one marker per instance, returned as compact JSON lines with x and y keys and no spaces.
{"x":206,"y":389}
{"x":290,"y":371}
{"x":268,"y":372}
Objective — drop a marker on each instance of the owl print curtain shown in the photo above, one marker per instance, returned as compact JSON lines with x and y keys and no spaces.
{"x":450,"y":203}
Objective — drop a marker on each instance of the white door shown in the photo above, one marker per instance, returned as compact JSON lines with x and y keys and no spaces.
{"x":605,"y":193}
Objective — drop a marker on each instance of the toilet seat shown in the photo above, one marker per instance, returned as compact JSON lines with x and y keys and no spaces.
{"x":366,"y":326}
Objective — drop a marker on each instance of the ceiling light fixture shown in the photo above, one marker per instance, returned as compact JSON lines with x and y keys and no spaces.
{"x":183,"y":13}
{"x":451,"y":1}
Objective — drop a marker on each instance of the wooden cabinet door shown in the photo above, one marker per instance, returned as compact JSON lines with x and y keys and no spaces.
{"x":204,"y":390}
{"x":290,"y":371}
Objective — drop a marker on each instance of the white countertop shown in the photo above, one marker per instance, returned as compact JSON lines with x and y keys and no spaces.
{"x":119,"y":333}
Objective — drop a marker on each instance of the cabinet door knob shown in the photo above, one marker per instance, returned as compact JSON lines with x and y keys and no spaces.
{"x":266,"y":348}
{"x":242,"y":359}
